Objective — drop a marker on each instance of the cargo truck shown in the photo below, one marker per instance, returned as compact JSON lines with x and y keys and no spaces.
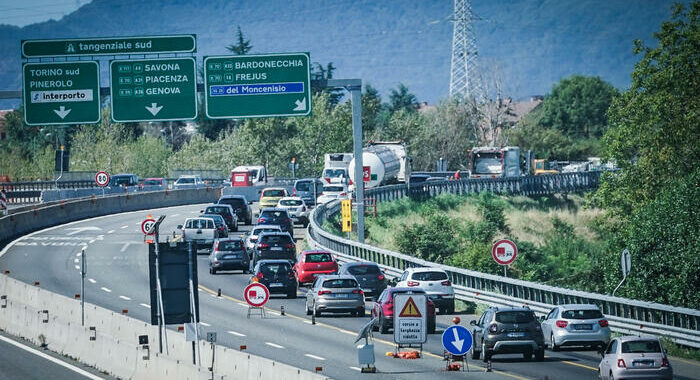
{"x":494,"y":162}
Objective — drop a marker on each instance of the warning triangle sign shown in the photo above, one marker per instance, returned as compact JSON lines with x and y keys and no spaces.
{"x":410,"y":309}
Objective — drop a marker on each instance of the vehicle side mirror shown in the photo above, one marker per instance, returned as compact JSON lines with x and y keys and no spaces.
{"x":472,"y":322}
{"x":201,"y":211}
{"x":259,"y":191}
{"x":542,"y":318}
{"x":250,"y":202}
{"x":179,"y":226}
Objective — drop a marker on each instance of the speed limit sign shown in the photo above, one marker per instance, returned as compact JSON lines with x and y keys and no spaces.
{"x":102,"y":179}
{"x":147,"y":227}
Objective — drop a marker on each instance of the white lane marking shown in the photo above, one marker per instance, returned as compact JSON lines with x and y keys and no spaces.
{"x":307,"y":322}
{"x":274,"y":313}
{"x":235,"y":333}
{"x":123,"y":227}
{"x":50,"y":358}
{"x":77,"y":267}
{"x":175,"y":215}
{"x":76,"y":261}
{"x":242,"y":304}
{"x":125,"y":298}
{"x":274,"y":345}
{"x":106,"y":289}
{"x":92,"y":280}
{"x":125,"y":247}
{"x":146,"y":306}
{"x":79,"y":254}
{"x":77,"y":230}
{"x":110,"y":231}
{"x":204,"y":324}
{"x":356,"y":369}
{"x":213,"y":296}
{"x":91,"y":241}
{"x":314,"y":357}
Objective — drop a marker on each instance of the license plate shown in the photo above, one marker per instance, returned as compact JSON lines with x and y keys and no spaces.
{"x":643,"y":363}
{"x":367,"y":290}
{"x":231,"y":257}
{"x":516,"y":335}
{"x":276,"y":248}
{"x":276,"y":285}
{"x":583,"y":327}
{"x":341,"y":295}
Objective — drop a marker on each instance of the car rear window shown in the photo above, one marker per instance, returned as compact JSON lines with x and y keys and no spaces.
{"x":200,"y":223}
{"x":291,"y":202}
{"x":151,"y":182}
{"x":275,"y":239}
{"x":217,"y":210}
{"x":181,"y":181}
{"x":581,"y":314}
{"x":231,"y":245}
{"x":318,"y":258}
{"x":234,"y":202}
{"x":515,"y":316}
{"x":274,"y":214}
{"x":216,"y":217}
{"x":257,"y":231}
{"x":270,"y":269}
{"x":340,"y":283}
{"x":333,"y":173}
{"x":429,"y":276}
{"x":273,"y":193}
{"x":303,"y":186}
{"x":359,"y":270}
{"x":332,"y":188}
{"x":641,"y":346}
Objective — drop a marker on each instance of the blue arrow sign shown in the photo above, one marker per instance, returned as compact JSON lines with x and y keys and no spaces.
{"x":457,"y":340}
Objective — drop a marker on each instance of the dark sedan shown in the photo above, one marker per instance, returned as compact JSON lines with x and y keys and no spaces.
{"x":277,"y":276}
{"x":368,"y":274}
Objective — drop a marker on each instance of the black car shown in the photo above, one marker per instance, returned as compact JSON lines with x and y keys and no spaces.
{"x":277,"y":216}
{"x":368,"y":274}
{"x":507,"y":330}
{"x":274,"y":245}
{"x":219,"y":222}
{"x":240,"y":206}
{"x":226,"y":212}
{"x":228,"y":254}
{"x":277,"y":276}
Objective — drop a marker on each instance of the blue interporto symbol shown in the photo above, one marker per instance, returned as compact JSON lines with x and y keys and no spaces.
{"x":457,"y":340}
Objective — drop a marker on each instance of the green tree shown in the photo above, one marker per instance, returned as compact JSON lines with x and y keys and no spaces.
{"x":242,"y":46}
{"x":401,"y":99}
{"x":371,"y":109}
{"x":320,"y":74}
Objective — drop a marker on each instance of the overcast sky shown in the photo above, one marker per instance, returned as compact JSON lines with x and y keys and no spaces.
{"x":25,"y":12}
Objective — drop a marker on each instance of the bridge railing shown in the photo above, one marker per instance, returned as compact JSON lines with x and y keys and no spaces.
{"x":625,"y":315}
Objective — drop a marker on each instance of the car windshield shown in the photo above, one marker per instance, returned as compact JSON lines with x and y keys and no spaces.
{"x":291,"y":202}
{"x":274,"y":214}
{"x":515,"y":316}
{"x":273,"y":193}
{"x":340,"y":283}
{"x":275,"y":239}
{"x":331,"y":189}
{"x":217,"y":210}
{"x":151,"y":182}
{"x":121,"y":181}
{"x":429,"y":276}
{"x":334,"y":173}
{"x":184,"y":181}
{"x":318,"y":258}
{"x":359,"y":270}
{"x":581,"y":314}
{"x":641,"y":346}
{"x":271,"y":269}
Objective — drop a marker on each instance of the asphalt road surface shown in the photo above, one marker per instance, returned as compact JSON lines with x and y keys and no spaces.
{"x":117,"y":278}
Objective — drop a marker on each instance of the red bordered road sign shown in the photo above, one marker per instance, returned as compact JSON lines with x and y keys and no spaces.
{"x":504,"y":252}
{"x":102,"y":179}
{"x":147,"y":225}
{"x":256,"y":294}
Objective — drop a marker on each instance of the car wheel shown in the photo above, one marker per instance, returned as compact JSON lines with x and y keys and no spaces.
{"x":383,"y":328}
{"x":539,"y":355}
{"x":212,"y":271}
{"x":527,"y":356}
{"x":553,"y":345}
{"x":246,"y":271}
{"x":475,"y":354}
{"x":611,"y":377}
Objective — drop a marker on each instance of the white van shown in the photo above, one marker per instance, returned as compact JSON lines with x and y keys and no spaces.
{"x":257,"y":173}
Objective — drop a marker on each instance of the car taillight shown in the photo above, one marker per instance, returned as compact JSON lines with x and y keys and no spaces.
{"x":380,"y":277}
{"x":493,"y":328}
{"x":289,"y":245}
{"x":413,"y":283}
{"x":603,"y":323}
{"x":562,"y":324}
{"x":446,"y":283}
{"x":290,"y":274}
{"x":328,"y":180}
{"x":294,"y":192}
{"x":357,"y":291}
{"x":322,"y":292}
{"x":288,"y":221}
{"x":263,"y":245}
{"x":260,"y":220}
{"x":343,"y":194}
{"x":242,"y":245}
{"x":216,"y":246}
{"x":258,"y":276}
{"x":665,"y":363}
{"x":621,"y":363}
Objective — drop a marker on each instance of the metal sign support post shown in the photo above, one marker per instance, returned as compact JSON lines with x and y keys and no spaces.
{"x":505,"y":271}
{"x":193,"y":309}
{"x":356,"y":96}
{"x":162,"y":332}
{"x":626,"y":266}
{"x":83,"y":271}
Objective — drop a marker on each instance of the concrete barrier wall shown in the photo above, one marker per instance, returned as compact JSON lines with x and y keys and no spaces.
{"x":21,"y":223}
{"x":115,"y":348}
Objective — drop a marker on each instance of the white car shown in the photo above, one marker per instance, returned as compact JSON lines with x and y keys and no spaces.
{"x":188,"y":182}
{"x":435,"y":283}
{"x":333,"y":192}
{"x":200,"y":231}
{"x":252,"y":236}
{"x":575,"y":325}
{"x":296,"y":208}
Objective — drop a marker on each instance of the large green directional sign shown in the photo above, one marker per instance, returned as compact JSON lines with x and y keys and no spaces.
{"x":61,"y":92}
{"x":257,"y":85}
{"x":186,"y":43}
{"x":153,"y":89}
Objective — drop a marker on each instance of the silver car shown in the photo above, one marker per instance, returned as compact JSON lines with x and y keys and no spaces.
{"x":635,"y":357}
{"x":575,"y":325}
{"x":336,"y":293}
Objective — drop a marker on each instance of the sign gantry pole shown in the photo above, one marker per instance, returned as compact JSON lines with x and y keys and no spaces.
{"x":356,"y":98}
{"x":162,"y":332}
{"x":193,"y":309}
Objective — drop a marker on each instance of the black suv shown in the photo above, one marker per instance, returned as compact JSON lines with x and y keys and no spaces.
{"x":277,"y":216}
{"x":240,"y":206}
{"x":277,"y":275}
{"x":274,"y":245}
{"x":226,"y":212}
{"x":507,"y":330}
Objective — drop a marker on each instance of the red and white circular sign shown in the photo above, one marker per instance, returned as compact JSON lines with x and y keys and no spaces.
{"x":102,"y":179}
{"x":147,"y":225}
{"x":504,"y":252}
{"x":256,"y":294}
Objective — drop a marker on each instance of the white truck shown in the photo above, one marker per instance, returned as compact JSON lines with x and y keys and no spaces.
{"x":335,"y":168}
{"x":256,"y":173}
{"x":494,"y":162}
{"x":384,"y":162}
{"x":200,"y":231}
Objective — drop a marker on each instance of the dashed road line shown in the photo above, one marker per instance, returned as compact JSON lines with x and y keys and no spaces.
{"x":314,"y":357}
{"x":175,"y":215}
{"x":123,"y":227}
{"x":146,"y":306}
{"x":91,"y":241}
{"x":76,"y":261}
{"x":235,"y":333}
{"x":92,"y":280}
{"x":79,"y":254}
{"x":125,"y":298}
{"x":356,"y":368}
{"x":106,"y":289}
{"x":274,"y":345}
{"x":110,"y":231}
{"x":204,"y":324}
{"x":77,"y":267}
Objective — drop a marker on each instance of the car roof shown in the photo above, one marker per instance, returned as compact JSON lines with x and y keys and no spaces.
{"x":337,"y":277}
{"x":213,"y":216}
{"x":425,"y":269}
{"x":273,"y":188}
{"x":230,"y":239}
{"x":273,"y":261}
{"x":291,"y":199}
{"x":308,"y":251}
{"x":632,"y":338}
{"x":232,"y":197}
{"x":217,"y":205}
{"x":577,"y":306}
{"x":273,"y":209}
{"x":280,"y":232}
{"x":406,"y":289}
{"x":199,"y":217}
{"x":307,"y":180}
{"x":123,"y":175}
{"x":360,"y":263}
{"x":268,"y":226}
{"x":510,"y":308}
{"x":153,"y":178}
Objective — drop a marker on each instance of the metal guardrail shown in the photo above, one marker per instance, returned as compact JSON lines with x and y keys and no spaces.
{"x":625,"y":315}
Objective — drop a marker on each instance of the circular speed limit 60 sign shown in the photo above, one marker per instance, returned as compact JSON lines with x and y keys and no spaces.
{"x":256,"y":294}
{"x":102,"y":179}
{"x":504,"y":252}
{"x":147,"y":227}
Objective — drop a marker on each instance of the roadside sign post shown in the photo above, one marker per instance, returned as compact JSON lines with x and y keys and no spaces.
{"x":410,"y":320}
{"x":61,"y":92}
{"x":102,"y":180}
{"x":83,"y":272}
{"x":242,"y":86}
{"x":256,"y":295}
{"x":160,"y":311}
{"x":625,"y":266}
{"x":193,"y":308}
{"x":161,"y":89}
{"x":457,"y":341}
{"x":504,"y":253}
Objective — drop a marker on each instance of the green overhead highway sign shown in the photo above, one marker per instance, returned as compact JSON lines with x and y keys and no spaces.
{"x":160,"y":89}
{"x":186,"y":43}
{"x":61,"y":92}
{"x":257,"y":85}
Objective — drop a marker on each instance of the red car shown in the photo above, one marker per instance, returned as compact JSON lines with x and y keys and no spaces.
{"x":383,"y":309}
{"x":311,"y":264}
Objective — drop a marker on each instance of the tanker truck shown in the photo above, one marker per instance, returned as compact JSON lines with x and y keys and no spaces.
{"x":385,"y":162}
